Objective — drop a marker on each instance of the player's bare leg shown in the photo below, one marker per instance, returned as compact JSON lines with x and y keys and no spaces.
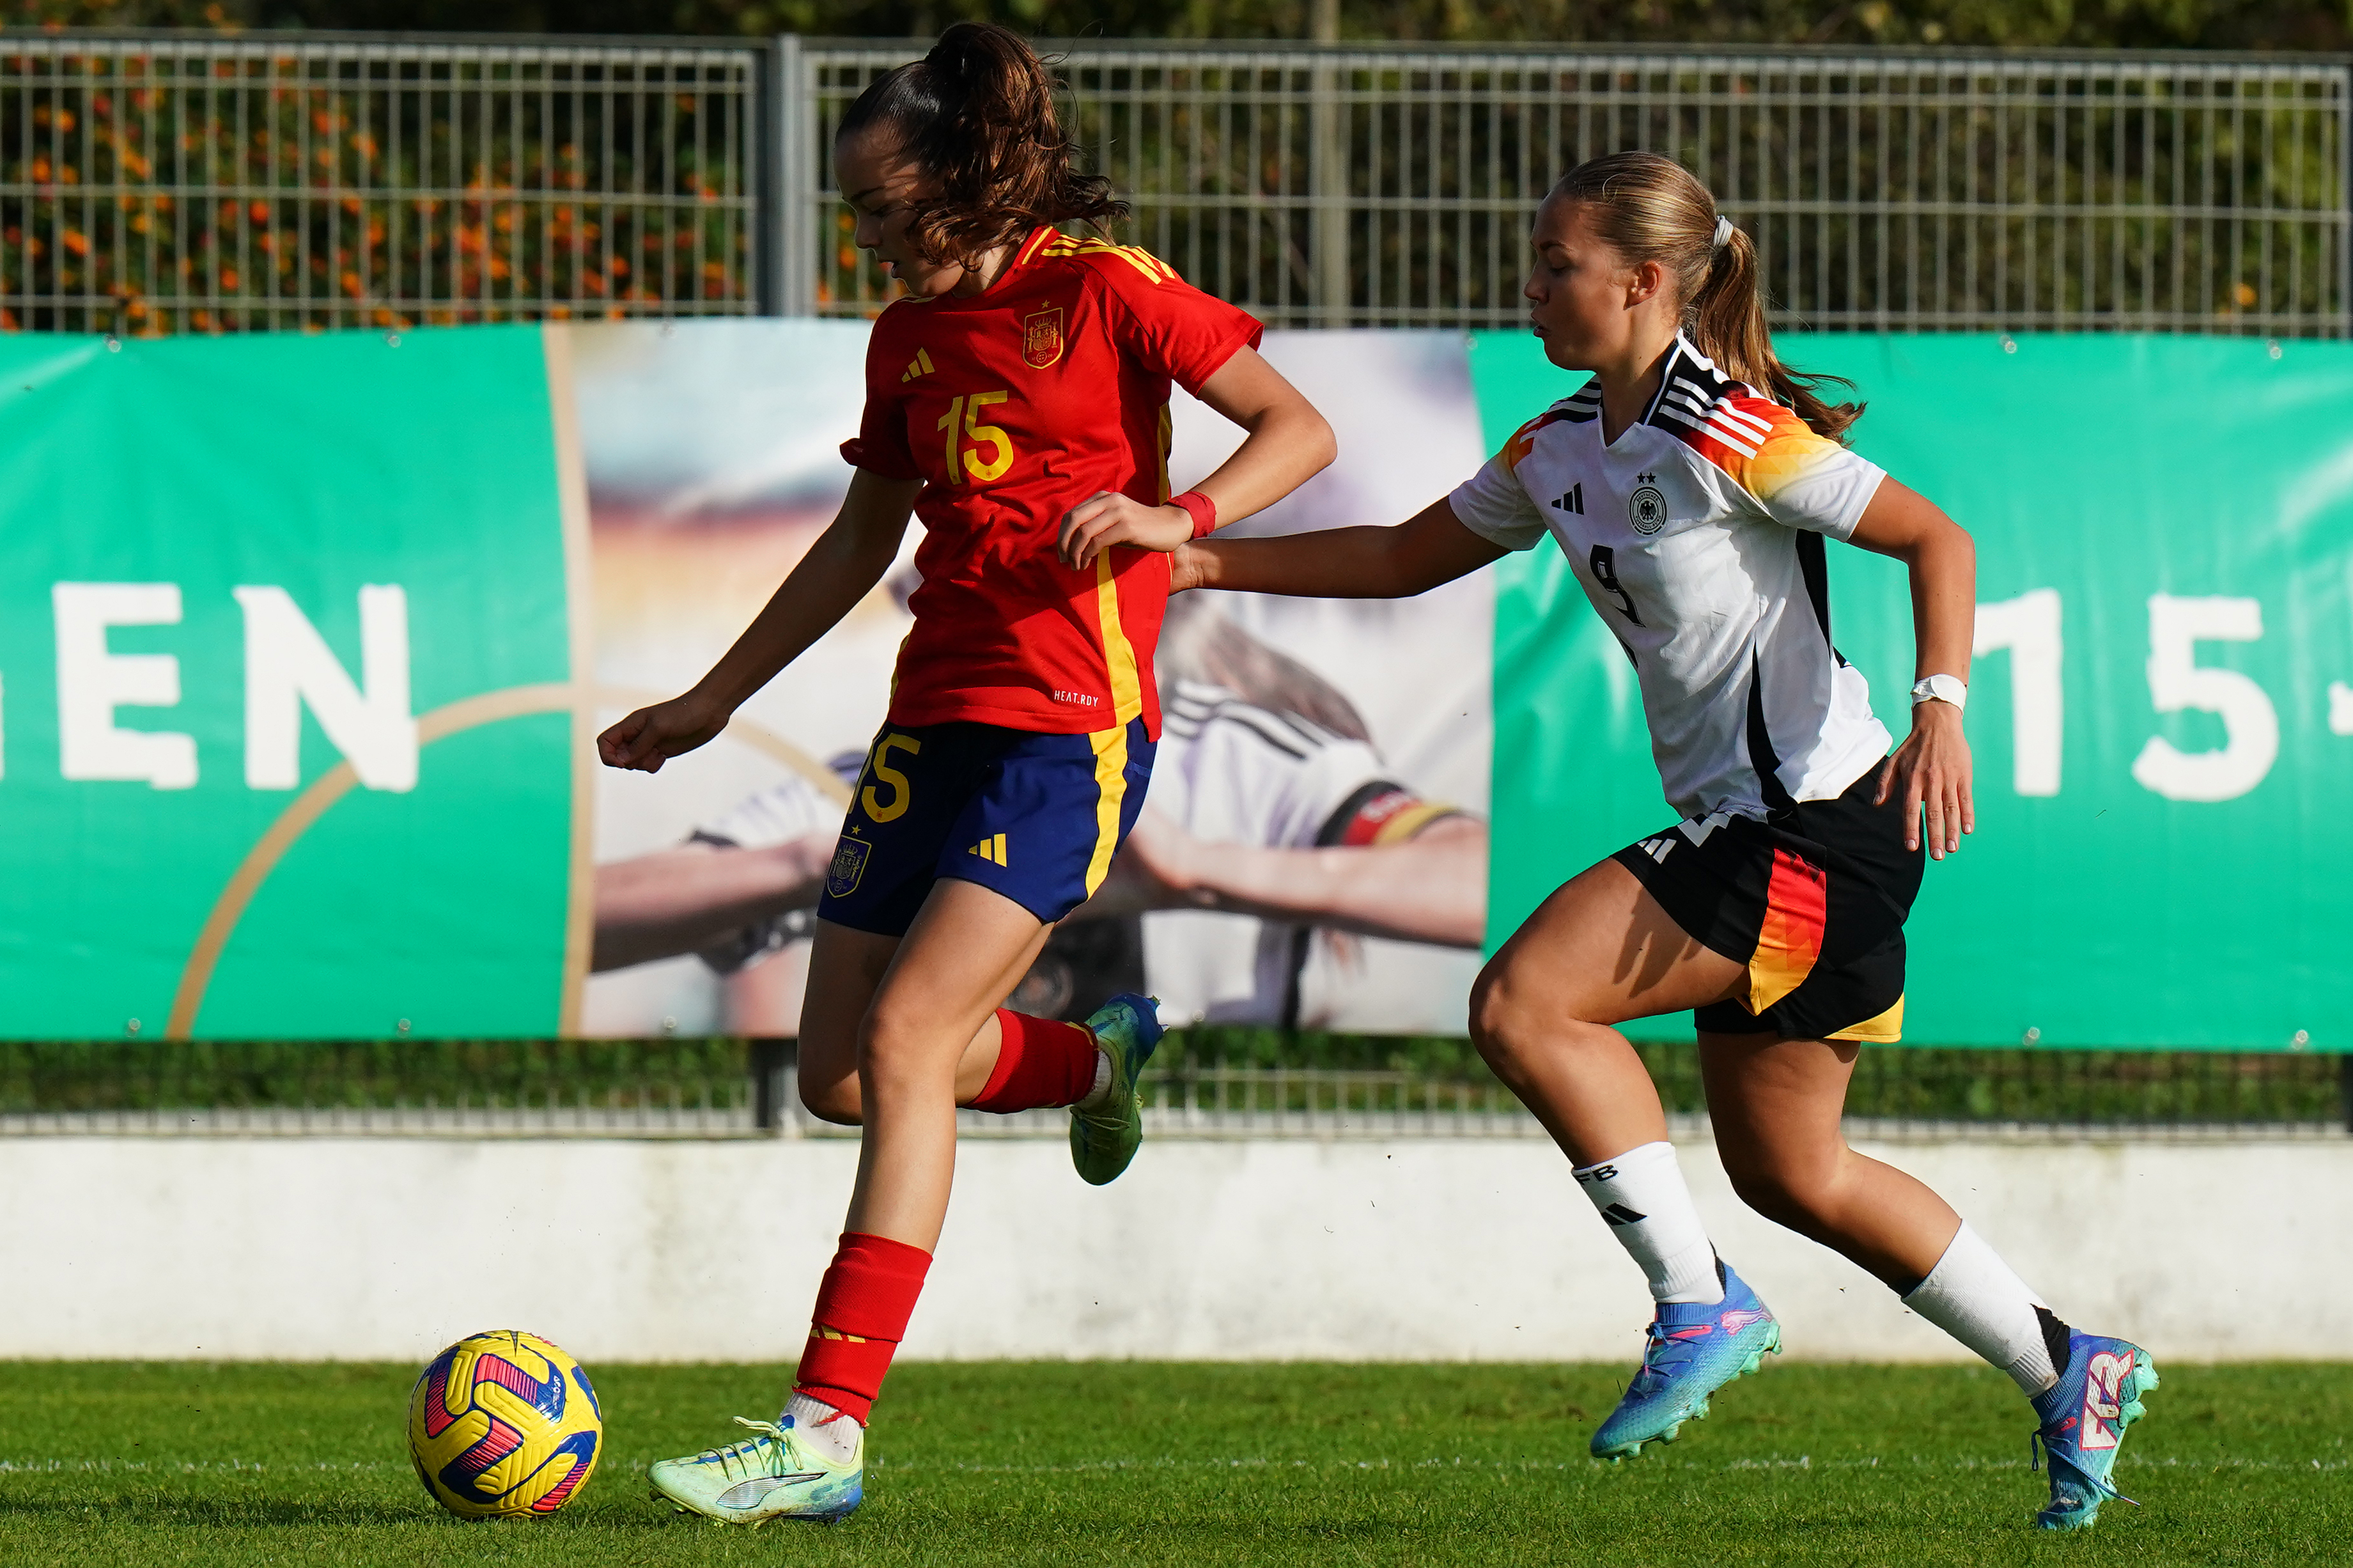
{"x":1599,"y":951}
{"x":1776,"y":1106}
{"x":846,"y":971}
{"x":935,"y":988}
{"x":965,"y":952}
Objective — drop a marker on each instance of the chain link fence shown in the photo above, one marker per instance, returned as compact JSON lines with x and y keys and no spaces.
{"x":156,"y":182}
{"x":1206,"y":1082}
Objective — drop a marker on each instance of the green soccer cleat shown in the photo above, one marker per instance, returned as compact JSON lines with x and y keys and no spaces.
{"x":1104,"y":1140}
{"x":771,"y":1475}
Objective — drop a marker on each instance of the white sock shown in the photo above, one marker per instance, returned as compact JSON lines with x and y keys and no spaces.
{"x":1094,"y":1095}
{"x":1642,"y":1194}
{"x":1974,"y":1297}
{"x":831,"y":1432}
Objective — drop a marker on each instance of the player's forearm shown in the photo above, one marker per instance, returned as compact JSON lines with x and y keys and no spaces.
{"x":1431,"y":888}
{"x":1429,"y":548}
{"x":1337,"y":564}
{"x":1944,"y":568}
{"x":841,"y":568}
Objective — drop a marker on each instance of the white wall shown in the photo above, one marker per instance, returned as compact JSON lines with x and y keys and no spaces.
{"x":379,"y":1247}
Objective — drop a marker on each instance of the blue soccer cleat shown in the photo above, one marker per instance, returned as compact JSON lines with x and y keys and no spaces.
{"x":2084,"y":1418}
{"x":1695,"y":1349}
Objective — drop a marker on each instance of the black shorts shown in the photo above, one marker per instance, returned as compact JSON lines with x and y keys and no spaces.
{"x":1812,"y":899}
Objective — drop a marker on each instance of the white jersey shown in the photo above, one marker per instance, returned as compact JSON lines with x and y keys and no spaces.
{"x":1698,"y":537}
{"x":1234,"y":773}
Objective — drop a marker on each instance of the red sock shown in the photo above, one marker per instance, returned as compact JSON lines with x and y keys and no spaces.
{"x":862,"y":1315}
{"x":1042,"y":1062}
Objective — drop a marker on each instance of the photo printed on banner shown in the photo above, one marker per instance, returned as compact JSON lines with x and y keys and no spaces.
{"x":1313,"y":851}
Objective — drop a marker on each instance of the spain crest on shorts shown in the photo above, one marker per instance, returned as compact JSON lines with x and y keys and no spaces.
{"x":1042,"y":337}
{"x":849,"y":865}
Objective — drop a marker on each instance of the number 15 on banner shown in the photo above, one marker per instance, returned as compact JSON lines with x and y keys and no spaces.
{"x":2029,"y":628}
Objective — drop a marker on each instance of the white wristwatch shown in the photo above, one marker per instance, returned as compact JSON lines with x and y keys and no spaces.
{"x":1949,"y":688}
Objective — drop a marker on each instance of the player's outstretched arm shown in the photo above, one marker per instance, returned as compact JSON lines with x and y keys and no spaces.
{"x":1931,"y":767}
{"x":1289,"y":444}
{"x":841,"y":569}
{"x":1414,"y":556}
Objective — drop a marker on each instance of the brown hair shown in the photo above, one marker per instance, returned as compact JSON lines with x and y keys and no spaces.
{"x":977,"y":115}
{"x":1649,"y":208}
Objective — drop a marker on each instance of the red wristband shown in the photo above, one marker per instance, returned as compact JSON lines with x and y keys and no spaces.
{"x":1202,"y":509}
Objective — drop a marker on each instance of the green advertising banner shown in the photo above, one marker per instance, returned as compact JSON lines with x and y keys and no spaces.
{"x":285,"y":730}
{"x":297,"y":688}
{"x":2162,"y":705}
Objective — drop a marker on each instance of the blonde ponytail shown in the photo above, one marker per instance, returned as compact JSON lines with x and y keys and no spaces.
{"x":1649,"y":208}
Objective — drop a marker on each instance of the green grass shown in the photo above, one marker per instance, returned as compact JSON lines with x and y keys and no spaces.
{"x":1139,"y":1464}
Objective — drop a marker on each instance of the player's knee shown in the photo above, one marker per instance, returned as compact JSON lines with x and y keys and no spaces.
{"x":893,"y":1042}
{"x":831,"y":1098}
{"x":1503,"y":1024}
{"x":1793,"y":1194}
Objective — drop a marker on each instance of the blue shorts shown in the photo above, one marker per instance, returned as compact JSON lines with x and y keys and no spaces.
{"x":1035,"y":818}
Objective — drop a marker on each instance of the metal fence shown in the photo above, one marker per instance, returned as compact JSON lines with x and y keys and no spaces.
{"x":1956,"y":191}
{"x":158,"y":182}
{"x":202,"y":183}
{"x":1204,"y":1082}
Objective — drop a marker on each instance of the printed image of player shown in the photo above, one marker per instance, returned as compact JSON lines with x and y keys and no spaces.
{"x":1269,"y":805}
{"x":1707,"y":476}
{"x":1272,"y":808}
{"x":1017,"y":404}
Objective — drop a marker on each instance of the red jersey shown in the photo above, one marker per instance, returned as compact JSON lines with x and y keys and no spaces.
{"x":1013,"y":406}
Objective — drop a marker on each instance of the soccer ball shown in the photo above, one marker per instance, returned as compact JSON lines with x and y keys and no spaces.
{"x":503,"y":1425}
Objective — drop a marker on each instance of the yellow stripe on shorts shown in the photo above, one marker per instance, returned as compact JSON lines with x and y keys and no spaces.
{"x":1111,"y":793}
{"x":1111,"y":745}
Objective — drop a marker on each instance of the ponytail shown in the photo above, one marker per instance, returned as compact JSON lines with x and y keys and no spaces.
{"x":1650,"y":208}
{"x":977,"y":114}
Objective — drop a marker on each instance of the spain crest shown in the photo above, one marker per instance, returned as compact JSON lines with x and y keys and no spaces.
{"x":1042,"y":337}
{"x":848,"y":866}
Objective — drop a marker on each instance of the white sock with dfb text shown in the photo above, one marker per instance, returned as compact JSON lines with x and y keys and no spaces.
{"x":1641,"y":1194}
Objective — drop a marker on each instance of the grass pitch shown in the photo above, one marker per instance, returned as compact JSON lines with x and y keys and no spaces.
{"x":1146,"y":1464}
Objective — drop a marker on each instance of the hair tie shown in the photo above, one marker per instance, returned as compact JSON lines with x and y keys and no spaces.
{"x":1722,"y":235}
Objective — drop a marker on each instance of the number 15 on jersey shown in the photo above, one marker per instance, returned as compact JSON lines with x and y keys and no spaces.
{"x":966,"y":435}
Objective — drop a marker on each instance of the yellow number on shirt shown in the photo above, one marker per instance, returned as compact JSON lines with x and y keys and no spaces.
{"x":988,"y":435}
{"x":961,"y":423}
{"x":901,"y":791}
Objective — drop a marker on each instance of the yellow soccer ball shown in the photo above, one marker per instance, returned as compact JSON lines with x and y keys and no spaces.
{"x":503,"y":1425}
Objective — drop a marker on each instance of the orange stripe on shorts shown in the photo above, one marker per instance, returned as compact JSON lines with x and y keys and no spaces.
{"x":1790,"y":938}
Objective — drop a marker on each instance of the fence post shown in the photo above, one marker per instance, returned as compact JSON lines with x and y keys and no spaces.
{"x":2344,"y":1087}
{"x":788,"y":285}
{"x":773,"y":1063}
{"x":1328,"y":188}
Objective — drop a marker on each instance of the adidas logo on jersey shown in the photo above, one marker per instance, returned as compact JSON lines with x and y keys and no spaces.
{"x":1574,"y":501}
{"x":991,"y":848}
{"x":919,"y":366}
